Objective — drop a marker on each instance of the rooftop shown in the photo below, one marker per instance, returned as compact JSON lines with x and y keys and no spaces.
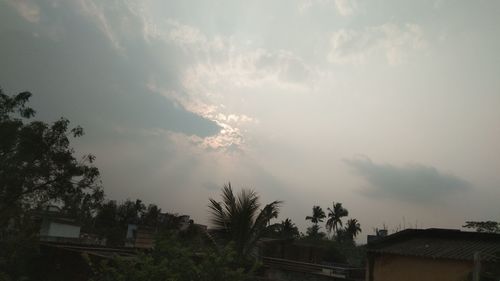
{"x":439,"y":243}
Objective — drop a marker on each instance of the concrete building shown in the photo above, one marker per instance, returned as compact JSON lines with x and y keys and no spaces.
{"x":434,"y":255}
{"x":59,"y":227}
{"x":56,"y":227}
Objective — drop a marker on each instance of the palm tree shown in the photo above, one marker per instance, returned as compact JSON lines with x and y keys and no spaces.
{"x":288,"y":229}
{"x":317,"y":216}
{"x":335,"y":216}
{"x":353,"y":228}
{"x":238,"y":219}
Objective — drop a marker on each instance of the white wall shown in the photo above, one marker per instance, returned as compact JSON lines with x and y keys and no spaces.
{"x":63,"y":230}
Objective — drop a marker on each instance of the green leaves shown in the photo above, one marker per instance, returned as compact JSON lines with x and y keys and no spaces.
{"x":171,"y":261}
{"x":37,"y":165}
{"x":238,"y":219}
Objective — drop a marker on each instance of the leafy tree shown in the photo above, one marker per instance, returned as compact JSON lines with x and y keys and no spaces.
{"x":289,"y":229}
{"x":313,"y":233}
{"x":483,"y":226}
{"x":130,"y":212}
{"x":171,"y":261}
{"x":151,"y":216}
{"x":237,"y":219}
{"x":285,"y":229}
{"x":335,"y":216}
{"x":352,"y":228}
{"x":107,"y":224}
{"x":37,"y":165}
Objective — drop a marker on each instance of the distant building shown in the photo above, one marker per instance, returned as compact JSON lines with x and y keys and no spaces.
{"x":143,"y":236}
{"x":433,"y":254}
{"x":184,"y":222}
{"x":379,"y":233}
{"x":56,"y":227}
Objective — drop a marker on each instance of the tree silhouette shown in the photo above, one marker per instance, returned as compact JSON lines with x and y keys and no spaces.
{"x":335,"y":216}
{"x":317,"y":216}
{"x":285,"y":229}
{"x":237,"y":219}
{"x":37,"y":165}
{"x":483,"y":226}
{"x":353,"y":228}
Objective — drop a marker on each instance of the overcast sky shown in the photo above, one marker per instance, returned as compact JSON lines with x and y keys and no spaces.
{"x":390,"y":107}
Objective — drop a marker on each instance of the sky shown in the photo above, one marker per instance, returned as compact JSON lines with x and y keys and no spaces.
{"x":389,"y":107}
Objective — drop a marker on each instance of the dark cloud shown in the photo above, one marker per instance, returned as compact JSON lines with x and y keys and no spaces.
{"x":412,"y":182}
{"x":76,"y":71}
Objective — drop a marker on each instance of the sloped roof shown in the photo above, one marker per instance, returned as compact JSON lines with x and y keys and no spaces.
{"x":439,"y":243}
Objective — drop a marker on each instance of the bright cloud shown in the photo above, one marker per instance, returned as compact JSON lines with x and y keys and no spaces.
{"x":346,"y":7}
{"x":29,"y":10}
{"x":395,"y":42}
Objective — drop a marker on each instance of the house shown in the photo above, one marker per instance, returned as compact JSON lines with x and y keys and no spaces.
{"x":54,"y":226}
{"x":434,"y":254}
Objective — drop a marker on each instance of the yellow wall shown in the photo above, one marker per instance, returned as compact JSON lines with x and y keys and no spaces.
{"x":401,"y":268}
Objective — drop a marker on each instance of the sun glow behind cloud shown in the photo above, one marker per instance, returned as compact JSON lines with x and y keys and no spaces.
{"x":184,"y":96}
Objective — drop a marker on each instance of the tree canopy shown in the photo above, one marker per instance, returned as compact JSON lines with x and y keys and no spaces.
{"x":38,"y":165}
{"x":483,"y":226}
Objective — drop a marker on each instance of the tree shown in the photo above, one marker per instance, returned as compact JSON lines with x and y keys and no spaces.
{"x":313,"y":233}
{"x":38,"y":167}
{"x":352,"y":228}
{"x":289,"y":229}
{"x":285,"y":230}
{"x":317,"y":216}
{"x":37,"y":164}
{"x":151,"y":216}
{"x":335,"y":216}
{"x":170,"y":260}
{"x":237,"y":218}
{"x":107,"y":224}
{"x":483,"y":226}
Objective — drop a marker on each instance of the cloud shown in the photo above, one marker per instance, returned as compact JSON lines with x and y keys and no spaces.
{"x":83,"y":77}
{"x":346,"y":7}
{"x":217,"y":70}
{"x":395,"y":42}
{"x":413,"y":182}
{"x":29,"y":10}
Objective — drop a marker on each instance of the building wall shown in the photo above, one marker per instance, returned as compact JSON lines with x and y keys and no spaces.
{"x":63,"y":230}
{"x":397,"y":268}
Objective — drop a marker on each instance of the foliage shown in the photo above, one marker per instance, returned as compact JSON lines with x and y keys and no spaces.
{"x":284,"y":230}
{"x":335,"y":216}
{"x":19,"y":251}
{"x":352,"y":228}
{"x":317,"y":216}
{"x":170,"y":261}
{"x":313,"y":232}
{"x":112,"y":219}
{"x":483,"y":226}
{"x":38,"y":167}
{"x":37,"y":164}
{"x":237,"y":219}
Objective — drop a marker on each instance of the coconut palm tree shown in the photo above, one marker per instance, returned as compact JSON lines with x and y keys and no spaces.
{"x":317,"y":216}
{"x":353,"y":228}
{"x":335,"y":216}
{"x":239,"y":219}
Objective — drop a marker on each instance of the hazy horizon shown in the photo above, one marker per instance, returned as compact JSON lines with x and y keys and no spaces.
{"x":389,"y":107}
